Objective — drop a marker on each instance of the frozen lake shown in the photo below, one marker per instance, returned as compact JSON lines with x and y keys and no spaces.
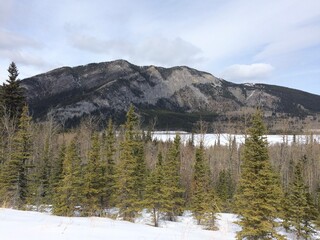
{"x":210,"y":139}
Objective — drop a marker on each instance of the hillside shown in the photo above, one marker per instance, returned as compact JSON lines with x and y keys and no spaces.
{"x":171,"y":98}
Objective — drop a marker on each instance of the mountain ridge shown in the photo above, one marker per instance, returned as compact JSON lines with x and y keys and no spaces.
{"x":107,"y":89}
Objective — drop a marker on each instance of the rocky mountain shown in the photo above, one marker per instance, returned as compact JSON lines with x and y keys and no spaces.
{"x":173,"y":98}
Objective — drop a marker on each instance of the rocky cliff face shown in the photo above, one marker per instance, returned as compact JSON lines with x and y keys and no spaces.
{"x":107,"y":89}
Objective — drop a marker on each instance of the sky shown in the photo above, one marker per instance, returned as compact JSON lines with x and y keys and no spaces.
{"x":262,"y":41}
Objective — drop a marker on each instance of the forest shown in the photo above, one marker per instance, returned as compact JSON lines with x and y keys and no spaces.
{"x":86,"y":171}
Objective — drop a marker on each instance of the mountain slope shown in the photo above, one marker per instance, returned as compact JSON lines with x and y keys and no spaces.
{"x":179,"y":94}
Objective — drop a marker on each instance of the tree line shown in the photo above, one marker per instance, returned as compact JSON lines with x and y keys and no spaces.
{"x":86,"y":172}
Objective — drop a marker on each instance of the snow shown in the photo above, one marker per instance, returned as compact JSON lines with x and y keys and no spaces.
{"x":28,"y":225}
{"x":210,"y":139}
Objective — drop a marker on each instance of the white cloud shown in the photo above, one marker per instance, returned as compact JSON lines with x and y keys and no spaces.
{"x":208,"y":35}
{"x":10,"y":40}
{"x":153,"y":50}
{"x":247,"y":73}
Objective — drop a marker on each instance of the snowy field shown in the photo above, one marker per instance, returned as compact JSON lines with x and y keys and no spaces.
{"x":225,"y":139}
{"x":26,"y":225}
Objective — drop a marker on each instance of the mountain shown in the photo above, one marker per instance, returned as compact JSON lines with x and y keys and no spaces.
{"x":173,"y":98}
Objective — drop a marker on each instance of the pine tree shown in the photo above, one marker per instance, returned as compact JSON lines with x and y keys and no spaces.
{"x":225,"y":190}
{"x":203,"y":195}
{"x":43,"y":173}
{"x":69,"y":193}
{"x":12,"y":95}
{"x":130,"y":176}
{"x":13,"y":185}
{"x":300,"y":208}
{"x":110,"y":173}
{"x":57,"y":170}
{"x":259,"y":193}
{"x":154,"y":199}
{"x":93,"y":180}
{"x":172,"y":184}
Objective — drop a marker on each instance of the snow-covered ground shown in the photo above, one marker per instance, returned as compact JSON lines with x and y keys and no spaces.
{"x":211,"y":139}
{"x":27,"y":225}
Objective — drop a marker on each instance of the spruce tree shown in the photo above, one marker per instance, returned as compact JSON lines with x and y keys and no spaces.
{"x":172,"y":183}
{"x":93,"y":180}
{"x":203,"y":195}
{"x":130,"y":170}
{"x":12,"y":94}
{"x":259,"y":193}
{"x":225,"y":190}
{"x":13,"y":180}
{"x":300,"y":208}
{"x":110,"y":173}
{"x":69,"y":193}
{"x":57,"y":170}
{"x":43,"y":173}
{"x":155,"y":195}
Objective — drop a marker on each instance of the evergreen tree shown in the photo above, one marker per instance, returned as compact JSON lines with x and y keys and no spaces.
{"x":130,"y":175}
{"x":172,"y":183}
{"x":110,"y":174}
{"x":225,"y":190}
{"x":43,"y":173}
{"x":69,"y":193}
{"x":93,"y":180}
{"x":57,"y":170}
{"x":300,"y":208}
{"x":203,"y":196}
{"x":259,"y":193}
{"x":13,"y":181}
{"x":12,"y":95}
{"x":155,"y":195}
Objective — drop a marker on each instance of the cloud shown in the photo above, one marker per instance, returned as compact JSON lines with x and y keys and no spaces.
{"x":152,"y":50}
{"x":168,"y":52}
{"x":10,"y":40}
{"x":247,"y":73}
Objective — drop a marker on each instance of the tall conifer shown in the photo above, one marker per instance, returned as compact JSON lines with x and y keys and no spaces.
{"x":130,"y":175}
{"x":69,"y":193}
{"x":12,"y":94}
{"x":300,"y":210}
{"x":13,"y":181}
{"x":110,"y":173}
{"x":93,"y":179}
{"x":203,"y":201}
{"x":155,"y":199}
{"x":259,"y":193}
{"x":172,"y":183}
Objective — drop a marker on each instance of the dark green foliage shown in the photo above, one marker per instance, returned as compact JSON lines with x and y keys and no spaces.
{"x":225,"y":190}
{"x":259,"y":193}
{"x":93,"y":180}
{"x":204,"y":203}
{"x":57,"y":170}
{"x":12,"y":95}
{"x":300,"y":209}
{"x":155,"y":199}
{"x":172,"y":183}
{"x":69,"y":193}
{"x":13,"y":179}
{"x":176,"y":120}
{"x":43,"y":173}
{"x":110,"y":173}
{"x":131,"y":173}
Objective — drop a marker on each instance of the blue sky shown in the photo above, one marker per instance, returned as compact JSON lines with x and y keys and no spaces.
{"x":268,"y":41}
